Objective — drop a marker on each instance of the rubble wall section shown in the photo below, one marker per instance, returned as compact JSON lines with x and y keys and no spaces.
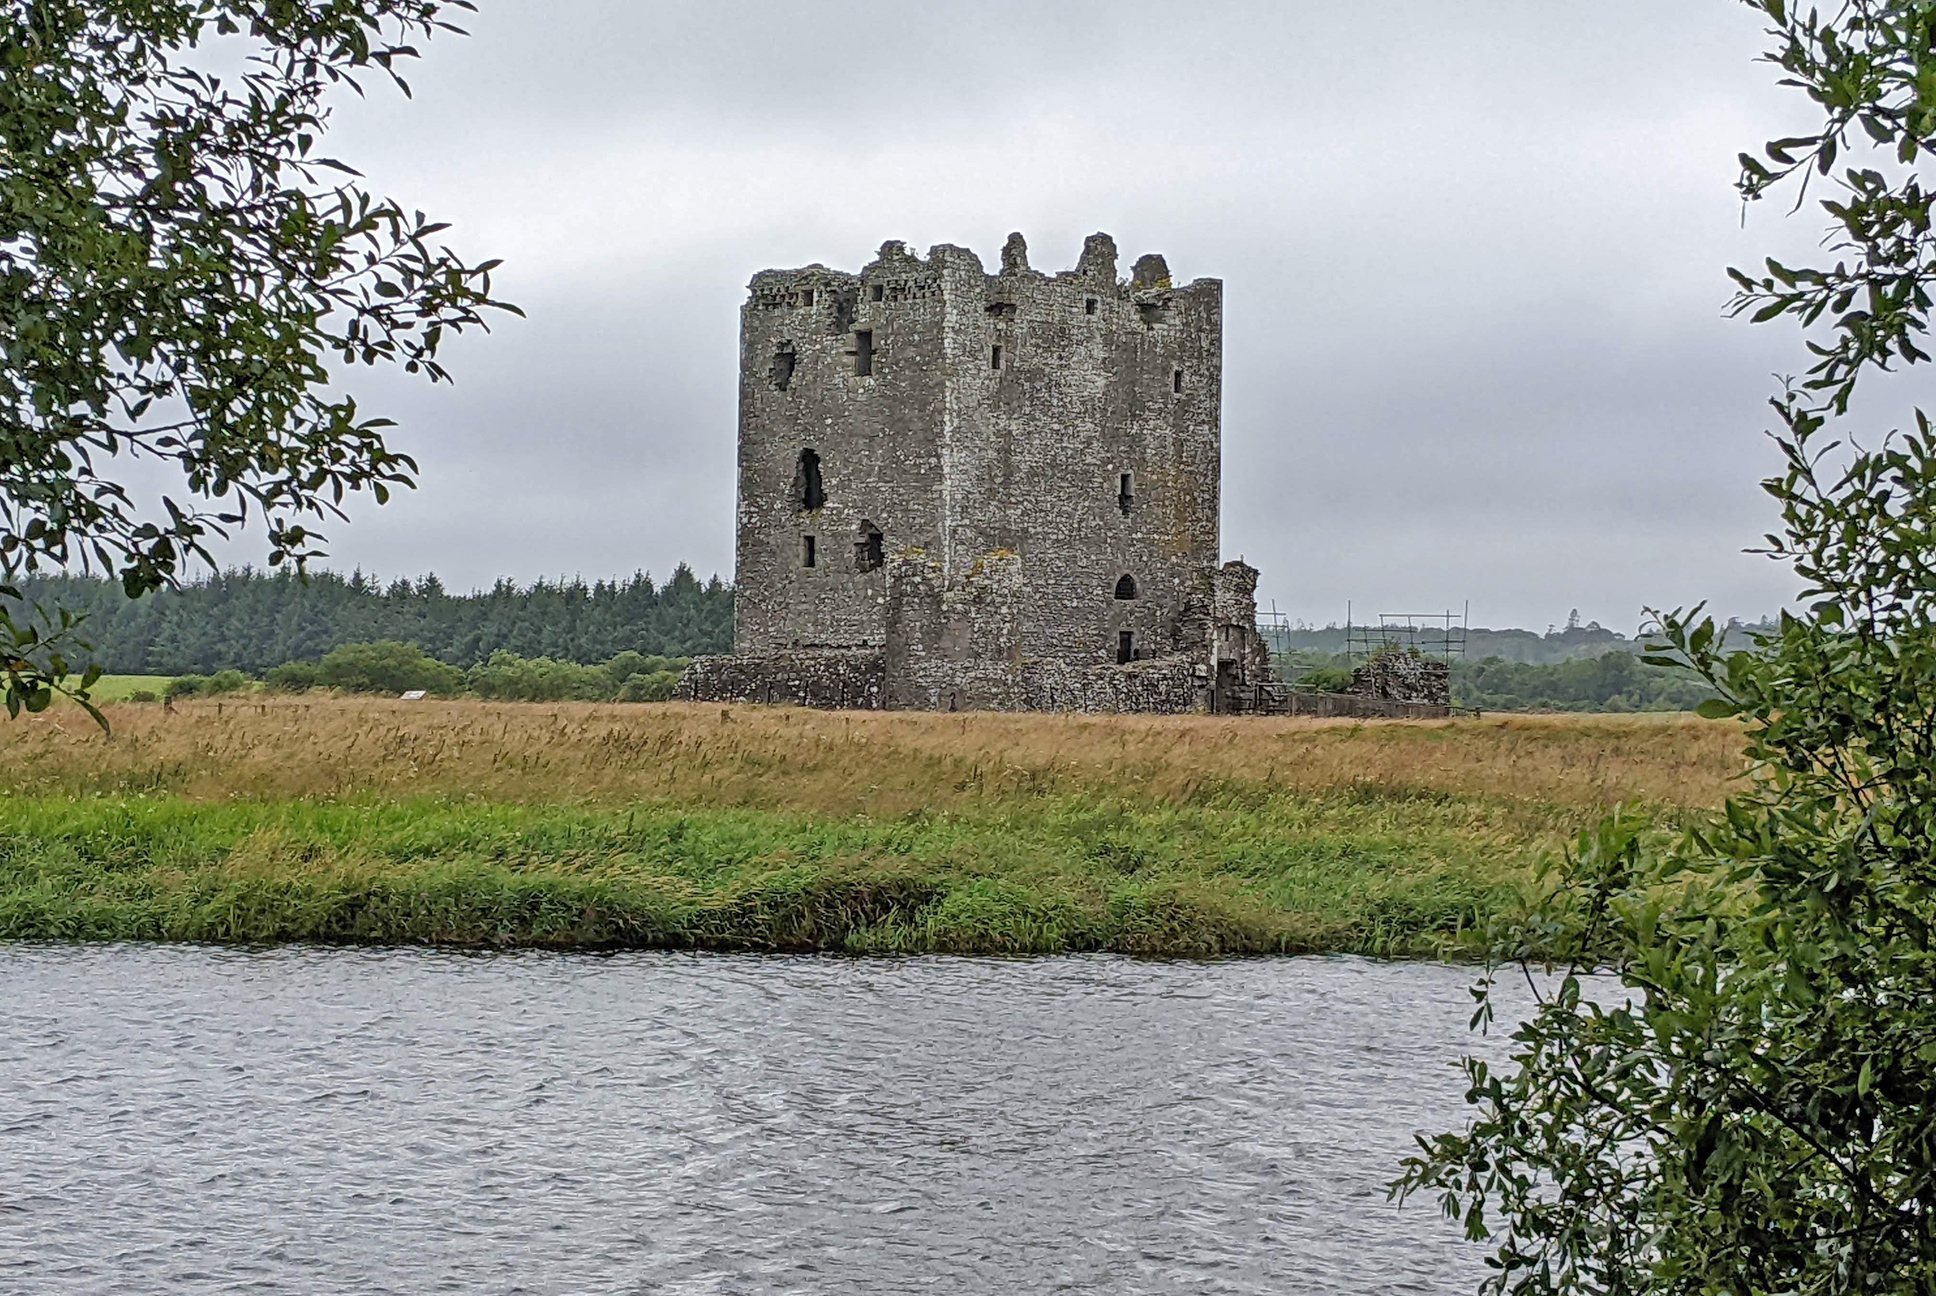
{"x":853,"y":679}
{"x":1404,"y":677}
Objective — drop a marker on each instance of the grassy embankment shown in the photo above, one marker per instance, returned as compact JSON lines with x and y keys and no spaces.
{"x":589,"y":825}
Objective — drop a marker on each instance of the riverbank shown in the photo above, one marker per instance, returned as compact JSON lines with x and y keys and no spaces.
{"x":590,"y":826}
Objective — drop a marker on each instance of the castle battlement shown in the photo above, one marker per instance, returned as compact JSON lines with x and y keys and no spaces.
{"x":897,"y":274}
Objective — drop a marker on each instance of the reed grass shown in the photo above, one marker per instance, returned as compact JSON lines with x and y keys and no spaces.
{"x":601,"y":826}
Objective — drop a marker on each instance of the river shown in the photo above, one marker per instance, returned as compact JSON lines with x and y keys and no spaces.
{"x":179,"y":1118}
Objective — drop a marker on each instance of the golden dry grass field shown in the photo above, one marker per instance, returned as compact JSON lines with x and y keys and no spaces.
{"x":878,"y":763}
{"x":585,"y":824}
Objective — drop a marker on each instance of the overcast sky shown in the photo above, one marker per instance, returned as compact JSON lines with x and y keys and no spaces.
{"x":1473,"y":259}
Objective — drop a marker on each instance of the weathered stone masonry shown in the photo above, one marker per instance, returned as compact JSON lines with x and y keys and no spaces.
{"x":968,"y":490}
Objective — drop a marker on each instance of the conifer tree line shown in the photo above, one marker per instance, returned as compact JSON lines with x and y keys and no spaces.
{"x":251,"y":621}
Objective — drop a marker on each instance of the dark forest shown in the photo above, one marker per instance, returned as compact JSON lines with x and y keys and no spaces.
{"x":251,"y":621}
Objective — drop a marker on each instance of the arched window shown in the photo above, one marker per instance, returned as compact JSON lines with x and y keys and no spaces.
{"x":1126,"y":587}
{"x":867,"y":548}
{"x":808,"y":494}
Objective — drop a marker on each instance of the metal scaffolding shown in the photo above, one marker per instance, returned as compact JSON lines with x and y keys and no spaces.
{"x":1274,"y":628}
{"x":1440,"y":636}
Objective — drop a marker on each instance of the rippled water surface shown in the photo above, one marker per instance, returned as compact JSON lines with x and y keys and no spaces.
{"x":189,"y":1119}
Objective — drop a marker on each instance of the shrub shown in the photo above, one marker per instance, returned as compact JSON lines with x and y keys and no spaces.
{"x":1325,"y":679}
{"x":222,"y":681}
{"x":144,"y":695}
{"x":386,"y":667}
{"x":655,"y":687}
{"x":1751,"y":1107}
{"x":509,"y":677}
{"x":627,"y":664}
{"x":294,"y":677}
{"x":226,"y":681}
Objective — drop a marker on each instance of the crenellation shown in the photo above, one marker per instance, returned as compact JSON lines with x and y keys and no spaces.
{"x":1098,"y":262}
{"x":1015,"y":256}
{"x":1152,"y":272}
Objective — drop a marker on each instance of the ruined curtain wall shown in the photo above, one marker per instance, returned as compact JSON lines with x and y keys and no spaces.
{"x":830,"y":679}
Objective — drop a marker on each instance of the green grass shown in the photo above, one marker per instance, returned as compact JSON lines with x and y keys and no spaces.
{"x":117,"y":688}
{"x":1252,"y":873}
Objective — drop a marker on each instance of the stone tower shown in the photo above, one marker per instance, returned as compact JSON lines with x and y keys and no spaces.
{"x":960,"y":489}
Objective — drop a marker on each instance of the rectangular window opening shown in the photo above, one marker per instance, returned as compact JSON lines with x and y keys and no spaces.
{"x":1176,"y":381}
{"x":1126,"y":494}
{"x":863,"y":352}
{"x":1089,"y":306}
{"x":877,"y":292}
{"x":808,"y":551}
{"x":995,"y":358}
{"x":1125,"y":647}
{"x":806,"y":297}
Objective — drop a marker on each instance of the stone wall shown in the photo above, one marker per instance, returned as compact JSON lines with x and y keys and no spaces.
{"x":1174,"y":685}
{"x":856,"y":678}
{"x":828,"y":678}
{"x":1396,"y":676}
{"x":1242,"y":657}
{"x":1164,"y":685}
{"x":958,"y":646}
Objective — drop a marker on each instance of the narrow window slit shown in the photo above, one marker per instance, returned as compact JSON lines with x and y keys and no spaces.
{"x":808,"y":556}
{"x":808,"y":492}
{"x":1176,"y":381}
{"x":1126,"y":493}
{"x":995,"y":358}
{"x":863,"y":353}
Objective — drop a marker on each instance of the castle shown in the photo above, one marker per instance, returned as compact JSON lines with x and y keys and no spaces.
{"x":961,"y":490}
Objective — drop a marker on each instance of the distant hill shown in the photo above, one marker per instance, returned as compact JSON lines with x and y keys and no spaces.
{"x":1581,"y":668}
{"x":1574,"y":643}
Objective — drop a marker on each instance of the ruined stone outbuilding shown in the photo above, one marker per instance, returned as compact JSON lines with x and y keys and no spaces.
{"x":1397,"y":675}
{"x":970,"y":490}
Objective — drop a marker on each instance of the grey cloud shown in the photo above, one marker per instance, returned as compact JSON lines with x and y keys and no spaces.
{"x":1473,"y":257}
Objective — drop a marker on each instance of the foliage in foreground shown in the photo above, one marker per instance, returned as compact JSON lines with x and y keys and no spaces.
{"x":1754,"y":1110}
{"x":184,"y":278}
